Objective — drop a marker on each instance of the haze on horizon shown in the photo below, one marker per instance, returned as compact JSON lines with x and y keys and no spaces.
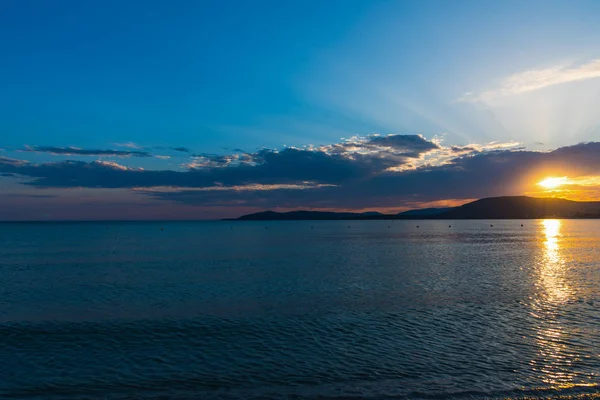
{"x":195,"y":110}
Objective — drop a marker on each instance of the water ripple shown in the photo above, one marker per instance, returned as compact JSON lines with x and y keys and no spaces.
{"x":323,"y":313}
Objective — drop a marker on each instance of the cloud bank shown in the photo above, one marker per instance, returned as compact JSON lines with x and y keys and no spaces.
{"x":376,"y":172}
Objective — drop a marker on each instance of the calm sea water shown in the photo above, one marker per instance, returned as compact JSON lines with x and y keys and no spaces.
{"x":370,"y":309}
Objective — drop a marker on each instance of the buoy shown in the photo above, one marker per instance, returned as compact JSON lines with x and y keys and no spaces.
{"x":491,"y":225}
{"x":521,"y":224}
{"x":417,"y":226}
{"x":449,"y":226}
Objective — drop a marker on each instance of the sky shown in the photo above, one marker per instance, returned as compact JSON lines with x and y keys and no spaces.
{"x":211,"y":109}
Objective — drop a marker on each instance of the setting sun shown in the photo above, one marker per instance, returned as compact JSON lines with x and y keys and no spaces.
{"x":553,"y":182}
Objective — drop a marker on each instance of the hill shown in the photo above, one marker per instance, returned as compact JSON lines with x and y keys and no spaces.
{"x":523,"y":207}
{"x":508,"y":207}
{"x":306,"y":215}
{"x":423,"y":212}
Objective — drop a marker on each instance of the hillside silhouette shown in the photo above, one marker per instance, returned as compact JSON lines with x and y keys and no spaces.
{"x":506,"y":207}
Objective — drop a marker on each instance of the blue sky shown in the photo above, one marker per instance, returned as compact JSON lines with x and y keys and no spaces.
{"x":228,"y":80}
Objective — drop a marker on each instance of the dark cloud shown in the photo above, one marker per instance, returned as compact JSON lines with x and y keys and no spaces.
{"x":463,"y":149}
{"x":266,"y":166}
{"x":181,"y":149}
{"x":413,"y":145}
{"x":299,"y":165}
{"x":323,"y":178}
{"x":32,"y":196}
{"x":96,"y":174}
{"x":11,"y":161}
{"x":477,"y":176}
{"x":495,"y":173}
{"x":397,"y":146}
{"x":74,"y":151}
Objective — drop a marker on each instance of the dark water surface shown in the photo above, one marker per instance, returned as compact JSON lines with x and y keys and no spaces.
{"x":370,"y":309}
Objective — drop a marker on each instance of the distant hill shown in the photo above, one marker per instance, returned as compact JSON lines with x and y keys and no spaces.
{"x":424,"y":212}
{"x":508,"y":207}
{"x":523,"y":207}
{"x":306,"y":215}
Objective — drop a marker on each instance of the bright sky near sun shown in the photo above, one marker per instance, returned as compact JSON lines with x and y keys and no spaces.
{"x":200,"y":85}
{"x":552,"y":182}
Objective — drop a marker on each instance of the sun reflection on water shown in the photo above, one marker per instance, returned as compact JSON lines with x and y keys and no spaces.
{"x":554,"y":356}
{"x":551,"y":274}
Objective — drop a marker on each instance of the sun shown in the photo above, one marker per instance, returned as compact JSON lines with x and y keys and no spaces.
{"x":553,"y":182}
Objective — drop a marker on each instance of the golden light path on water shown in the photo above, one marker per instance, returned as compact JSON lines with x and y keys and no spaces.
{"x":553,"y":293}
{"x":553,"y":266}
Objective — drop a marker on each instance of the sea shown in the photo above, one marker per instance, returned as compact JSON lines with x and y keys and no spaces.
{"x":300,"y":310}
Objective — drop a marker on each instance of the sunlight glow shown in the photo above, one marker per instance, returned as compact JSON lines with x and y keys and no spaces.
{"x":553,"y":182}
{"x":577,"y":188}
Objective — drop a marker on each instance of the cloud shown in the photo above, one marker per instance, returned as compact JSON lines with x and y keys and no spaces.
{"x":74,"y":151}
{"x":463,"y":149}
{"x":357,"y":173}
{"x":237,"y":188}
{"x":130,"y":145}
{"x":356,"y":158}
{"x":410,"y":145}
{"x":333,"y":179}
{"x":28,"y":195}
{"x":536,"y":79}
{"x":181,"y":149}
{"x":11,"y":161}
{"x":113,"y":165}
